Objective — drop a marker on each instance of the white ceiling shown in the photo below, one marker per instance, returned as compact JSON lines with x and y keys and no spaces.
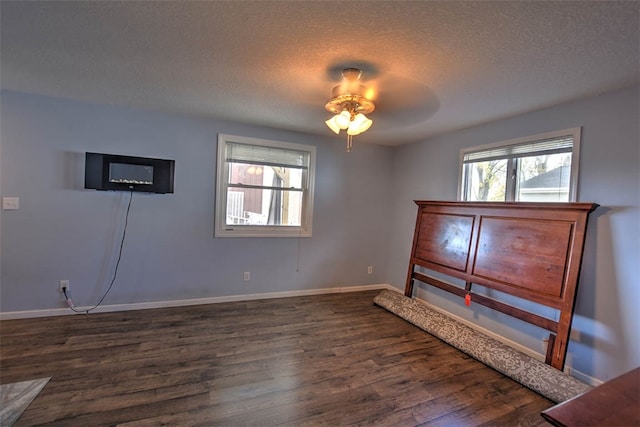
{"x":436,"y":66}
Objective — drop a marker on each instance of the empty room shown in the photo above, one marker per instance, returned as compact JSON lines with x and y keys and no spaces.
{"x":319,"y":213}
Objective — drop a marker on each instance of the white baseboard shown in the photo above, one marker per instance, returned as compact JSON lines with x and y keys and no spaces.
{"x":583,"y":377}
{"x":185,"y":302}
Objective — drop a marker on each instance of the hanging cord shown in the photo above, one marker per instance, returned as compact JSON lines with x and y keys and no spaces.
{"x":298,"y":250}
{"x":115,"y":272}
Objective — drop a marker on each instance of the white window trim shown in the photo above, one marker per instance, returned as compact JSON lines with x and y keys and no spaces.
{"x":223,"y":230}
{"x":575,"y":133}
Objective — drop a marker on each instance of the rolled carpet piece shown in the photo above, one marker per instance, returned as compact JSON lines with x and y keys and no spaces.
{"x":551,"y":383}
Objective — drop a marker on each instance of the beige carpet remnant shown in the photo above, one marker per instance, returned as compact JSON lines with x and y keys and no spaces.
{"x":15,"y":397}
{"x":551,"y":383}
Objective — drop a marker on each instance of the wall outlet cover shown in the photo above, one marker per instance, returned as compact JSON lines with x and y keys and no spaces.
{"x":10,"y":203}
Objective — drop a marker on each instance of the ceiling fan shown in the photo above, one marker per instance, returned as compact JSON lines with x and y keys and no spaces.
{"x":396,"y":100}
{"x":350,"y":102}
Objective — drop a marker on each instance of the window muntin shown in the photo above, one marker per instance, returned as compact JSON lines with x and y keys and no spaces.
{"x":540,"y":168}
{"x":265,"y":188}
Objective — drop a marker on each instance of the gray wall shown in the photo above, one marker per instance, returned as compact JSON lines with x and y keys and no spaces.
{"x":62,"y":231}
{"x":605,"y":330}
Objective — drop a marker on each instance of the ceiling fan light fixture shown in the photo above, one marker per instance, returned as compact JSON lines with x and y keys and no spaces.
{"x":343,"y":119}
{"x":331,"y":123}
{"x":349,"y":104}
{"x":359,"y":124}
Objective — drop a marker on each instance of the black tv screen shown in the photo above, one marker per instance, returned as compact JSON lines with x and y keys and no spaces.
{"x":111,"y":172}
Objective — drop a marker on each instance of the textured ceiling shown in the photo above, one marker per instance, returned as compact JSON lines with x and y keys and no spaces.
{"x":435,"y":66}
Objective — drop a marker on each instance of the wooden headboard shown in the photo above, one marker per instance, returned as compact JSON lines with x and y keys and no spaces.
{"x":530,"y":250}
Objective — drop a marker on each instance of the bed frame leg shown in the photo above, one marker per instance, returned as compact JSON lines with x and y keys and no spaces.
{"x":550,"y":344}
{"x":408,"y":290}
{"x":408,"y":287}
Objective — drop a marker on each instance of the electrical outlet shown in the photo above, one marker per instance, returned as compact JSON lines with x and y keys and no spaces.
{"x":370,"y":270}
{"x":10,"y":203}
{"x":63,"y":285}
{"x":247,"y":276}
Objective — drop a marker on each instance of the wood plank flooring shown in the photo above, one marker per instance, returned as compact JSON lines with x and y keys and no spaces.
{"x":305,"y":361}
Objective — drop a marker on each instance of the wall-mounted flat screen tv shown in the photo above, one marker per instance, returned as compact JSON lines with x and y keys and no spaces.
{"x":112,"y":172}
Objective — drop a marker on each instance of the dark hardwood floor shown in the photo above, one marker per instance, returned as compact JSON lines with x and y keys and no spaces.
{"x":304,"y":361}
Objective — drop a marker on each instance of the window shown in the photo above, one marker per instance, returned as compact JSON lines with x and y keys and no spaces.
{"x":264,"y":188}
{"x":540,"y":168}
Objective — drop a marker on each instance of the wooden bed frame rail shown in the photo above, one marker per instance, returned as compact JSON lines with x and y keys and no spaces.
{"x":529,"y":250}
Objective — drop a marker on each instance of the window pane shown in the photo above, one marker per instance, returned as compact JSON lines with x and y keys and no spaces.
{"x":251,"y":206}
{"x":264,"y":206}
{"x":268,"y":176}
{"x":544,"y":178}
{"x":486,"y":181}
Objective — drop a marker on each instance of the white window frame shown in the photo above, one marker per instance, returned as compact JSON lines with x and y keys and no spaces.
{"x":224,"y":230}
{"x":574,"y":133}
